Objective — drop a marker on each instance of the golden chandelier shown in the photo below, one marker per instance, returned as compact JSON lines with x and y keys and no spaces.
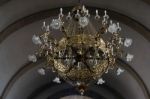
{"x":88,"y":48}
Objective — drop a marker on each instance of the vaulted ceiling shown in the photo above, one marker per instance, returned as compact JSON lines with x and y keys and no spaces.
{"x":20,"y":19}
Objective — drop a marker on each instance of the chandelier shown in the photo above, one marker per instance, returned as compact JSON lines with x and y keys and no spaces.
{"x":88,"y":48}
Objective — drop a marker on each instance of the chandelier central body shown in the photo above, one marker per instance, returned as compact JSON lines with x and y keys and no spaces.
{"x":80,"y":58}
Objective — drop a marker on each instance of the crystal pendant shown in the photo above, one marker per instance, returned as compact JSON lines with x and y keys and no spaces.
{"x":112,"y":28}
{"x":57,"y":80}
{"x":56,"y":24}
{"x":100,"y":81}
{"x":36,"y":40}
{"x":32,"y":58}
{"x":128,"y":42}
{"x":41,"y":71}
{"x":83,"y":21}
{"x":129,"y":57}
{"x":119,"y":71}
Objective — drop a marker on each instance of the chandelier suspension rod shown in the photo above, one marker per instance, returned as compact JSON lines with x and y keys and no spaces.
{"x":80,"y":1}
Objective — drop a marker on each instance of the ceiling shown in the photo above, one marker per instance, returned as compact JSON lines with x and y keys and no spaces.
{"x":2,"y":2}
{"x":20,"y":19}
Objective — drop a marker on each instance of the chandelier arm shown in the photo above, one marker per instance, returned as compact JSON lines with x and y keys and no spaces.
{"x":72,"y":66}
{"x":88,"y":66}
{"x":98,"y":36}
{"x":69,"y":30}
{"x":64,"y":31}
{"x":65,"y":53}
{"x":86,"y":52}
{"x":74,"y":50}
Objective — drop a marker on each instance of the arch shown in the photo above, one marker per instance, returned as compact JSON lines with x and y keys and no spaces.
{"x":29,"y":66}
{"x":137,"y":26}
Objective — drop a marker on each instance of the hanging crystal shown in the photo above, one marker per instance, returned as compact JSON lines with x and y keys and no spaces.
{"x":32,"y":58}
{"x":100,"y":81}
{"x":41,"y":71}
{"x":119,"y":71}
{"x":83,"y":21}
{"x":129,"y":57}
{"x":128,"y":42}
{"x":112,"y":27}
{"x":57,"y":80}
{"x":36,"y":40}
{"x":56,"y":24}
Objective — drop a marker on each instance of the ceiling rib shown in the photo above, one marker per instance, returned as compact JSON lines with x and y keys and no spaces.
{"x":43,"y":88}
{"x":29,"y":66}
{"x":137,"y":26}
